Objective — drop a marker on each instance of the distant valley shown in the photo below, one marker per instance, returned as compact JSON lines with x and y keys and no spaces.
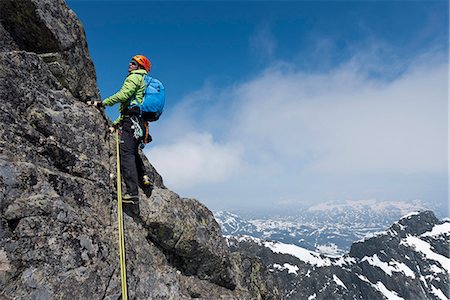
{"x":329,"y":228}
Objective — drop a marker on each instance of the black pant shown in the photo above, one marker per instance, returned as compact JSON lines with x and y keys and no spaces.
{"x":131,"y":163}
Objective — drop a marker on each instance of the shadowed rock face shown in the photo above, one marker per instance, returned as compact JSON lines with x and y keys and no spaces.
{"x":49,"y":28}
{"x":58,"y":223}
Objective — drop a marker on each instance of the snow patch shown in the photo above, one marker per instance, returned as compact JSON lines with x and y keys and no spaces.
{"x":345,"y":260}
{"x":313,"y":296}
{"x":291,"y":268}
{"x":390,"y":295}
{"x":388,"y":268}
{"x":379,"y":286}
{"x":339,"y":282}
{"x":304,"y":255}
{"x":425,"y":248}
{"x":441,"y":229}
{"x":407,"y":216}
{"x":436,"y":269}
{"x":403,"y":268}
{"x":363,"y":278}
{"x":424,"y":281}
{"x":438,"y":293}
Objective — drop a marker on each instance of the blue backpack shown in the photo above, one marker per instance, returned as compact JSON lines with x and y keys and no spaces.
{"x":152,"y":105}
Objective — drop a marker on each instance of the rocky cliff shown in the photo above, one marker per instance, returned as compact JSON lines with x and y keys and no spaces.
{"x":58,"y":224}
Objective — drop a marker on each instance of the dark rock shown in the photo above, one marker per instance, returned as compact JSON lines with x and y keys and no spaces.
{"x":6,"y":42}
{"x":51,"y":29}
{"x":187,"y":231}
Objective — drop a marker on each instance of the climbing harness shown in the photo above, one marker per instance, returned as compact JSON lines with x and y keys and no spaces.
{"x":123,"y":268}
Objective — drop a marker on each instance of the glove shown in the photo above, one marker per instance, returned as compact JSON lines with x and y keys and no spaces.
{"x":97,"y":104}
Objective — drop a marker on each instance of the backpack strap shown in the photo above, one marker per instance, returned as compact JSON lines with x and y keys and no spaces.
{"x":133,"y":98}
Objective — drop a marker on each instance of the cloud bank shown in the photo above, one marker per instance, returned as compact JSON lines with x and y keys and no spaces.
{"x":292,"y":136}
{"x":196,"y":158}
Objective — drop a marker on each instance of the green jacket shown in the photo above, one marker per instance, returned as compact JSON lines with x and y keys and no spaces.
{"x":133,"y":86}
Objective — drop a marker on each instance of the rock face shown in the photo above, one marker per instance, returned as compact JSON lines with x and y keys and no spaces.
{"x":58,"y":215}
{"x":49,"y":28}
{"x":408,"y":261}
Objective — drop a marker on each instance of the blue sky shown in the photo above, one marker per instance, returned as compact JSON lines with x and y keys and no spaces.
{"x":277,"y":105}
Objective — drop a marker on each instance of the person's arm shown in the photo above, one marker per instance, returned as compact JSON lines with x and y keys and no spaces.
{"x":128,"y":89}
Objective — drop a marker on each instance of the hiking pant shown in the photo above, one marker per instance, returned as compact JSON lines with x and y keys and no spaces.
{"x":131,"y":163}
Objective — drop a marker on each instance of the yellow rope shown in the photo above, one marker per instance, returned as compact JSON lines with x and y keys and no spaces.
{"x":123,"y":268}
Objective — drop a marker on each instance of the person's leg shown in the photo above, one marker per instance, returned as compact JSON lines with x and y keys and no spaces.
{"x":142,"y":173}
{"x":128,"y":161}
{"x":140,"y":167}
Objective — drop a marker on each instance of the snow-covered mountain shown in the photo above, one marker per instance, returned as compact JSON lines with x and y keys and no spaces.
{"x":410,"y":260}
{"x":328,"y":228}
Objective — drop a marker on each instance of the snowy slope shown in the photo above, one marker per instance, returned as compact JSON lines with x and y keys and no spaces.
{"x":410,"y":260}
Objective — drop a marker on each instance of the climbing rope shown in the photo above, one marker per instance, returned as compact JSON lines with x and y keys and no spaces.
{"x":123,"y":268}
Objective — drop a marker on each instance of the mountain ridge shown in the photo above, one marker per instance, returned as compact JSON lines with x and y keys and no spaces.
{"x":322,"y":227}
{"x":410,"y":260}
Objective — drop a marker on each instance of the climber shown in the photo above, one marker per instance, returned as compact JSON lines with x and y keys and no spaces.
{"x":130,"y":127}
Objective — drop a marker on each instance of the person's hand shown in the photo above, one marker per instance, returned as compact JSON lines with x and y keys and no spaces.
{"x":97,"y":104}
{"x":111,"y":129}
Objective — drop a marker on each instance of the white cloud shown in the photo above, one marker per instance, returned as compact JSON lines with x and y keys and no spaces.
{"x":344,"y":122}
{"x":195,"y":159}
{"x":295,"y":135}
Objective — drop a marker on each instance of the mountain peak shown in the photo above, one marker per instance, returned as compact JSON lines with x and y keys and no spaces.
{"x":418,"y":222}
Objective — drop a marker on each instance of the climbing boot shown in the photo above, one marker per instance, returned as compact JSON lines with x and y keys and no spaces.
{"x":131,"y":206}
{"x":146,"y":181}
{"x":130,"y":199}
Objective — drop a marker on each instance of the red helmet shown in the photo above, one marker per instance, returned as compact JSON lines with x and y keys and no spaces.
{"x":143,"y":61}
